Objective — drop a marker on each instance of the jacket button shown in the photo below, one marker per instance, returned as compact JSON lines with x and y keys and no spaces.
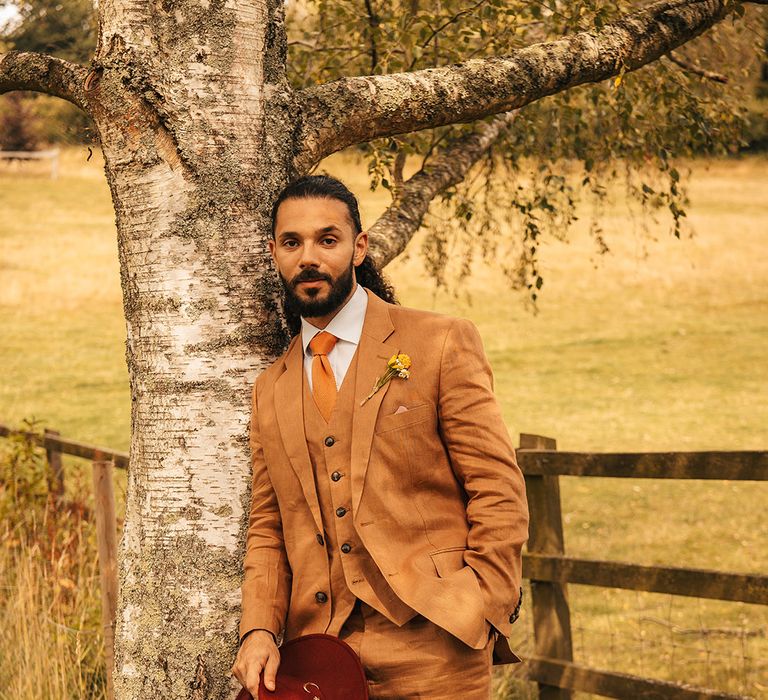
{"x":336,"y":476}
{"x":320,"y":539}
{"x":340,"y":512}
{"x":321,"y":597}
{"x":329,"y":441}
{"x":346,"y":548}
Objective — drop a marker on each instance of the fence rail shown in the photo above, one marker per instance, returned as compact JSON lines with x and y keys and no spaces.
{"x":562,"y":674}
{"x":56,"y":445}
{"x":52,"y":155}
{"x":731,"y":466}
{"x":550,"y":570}
{"x":699,"y":583}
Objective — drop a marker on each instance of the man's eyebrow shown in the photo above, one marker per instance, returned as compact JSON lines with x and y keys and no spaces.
{"x":324,"y":229}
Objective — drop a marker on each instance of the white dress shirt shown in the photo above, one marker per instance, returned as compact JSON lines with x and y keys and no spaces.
{"x":347,"y":326}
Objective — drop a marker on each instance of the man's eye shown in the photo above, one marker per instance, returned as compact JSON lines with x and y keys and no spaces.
{"x":329,"y":241}
{"x":289,"y":244}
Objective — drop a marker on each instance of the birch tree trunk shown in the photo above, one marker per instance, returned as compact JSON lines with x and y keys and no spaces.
{"x":195,"y":152}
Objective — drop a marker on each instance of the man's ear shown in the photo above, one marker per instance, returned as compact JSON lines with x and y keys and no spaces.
{"x":271,"y":244}
{"x":361,"y":247}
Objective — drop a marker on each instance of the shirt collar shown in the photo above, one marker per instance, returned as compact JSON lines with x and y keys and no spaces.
{"x":347,"y":324}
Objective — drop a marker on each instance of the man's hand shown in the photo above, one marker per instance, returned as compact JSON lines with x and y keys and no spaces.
{"x":258,"y":652}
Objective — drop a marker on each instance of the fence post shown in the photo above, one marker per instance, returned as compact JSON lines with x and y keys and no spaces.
{"x":551,"y":613}
{"x":106,"y":532}
{"x":55,"y":467}
{"x":55,"y":164}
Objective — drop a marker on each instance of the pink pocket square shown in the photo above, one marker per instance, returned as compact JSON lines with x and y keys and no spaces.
{"x":401,"y":409}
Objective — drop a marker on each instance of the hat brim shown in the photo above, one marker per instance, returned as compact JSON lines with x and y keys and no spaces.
{"x":319,"y":661}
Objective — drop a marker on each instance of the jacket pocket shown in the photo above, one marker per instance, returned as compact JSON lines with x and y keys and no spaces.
{"x":393,"y":421}
{"x":448,"y":560}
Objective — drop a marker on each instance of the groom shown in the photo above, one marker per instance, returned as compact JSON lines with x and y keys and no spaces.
{"x":387,"y":507}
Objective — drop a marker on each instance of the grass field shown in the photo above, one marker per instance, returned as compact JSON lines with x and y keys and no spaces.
{"x":658,"y":345}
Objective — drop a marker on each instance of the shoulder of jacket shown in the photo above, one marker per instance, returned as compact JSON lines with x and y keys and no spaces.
{"x":430,"y":322}
{"x":271,"y":373}
{"x":433,"y":319}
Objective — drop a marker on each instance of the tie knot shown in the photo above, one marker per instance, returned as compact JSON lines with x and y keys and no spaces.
{"x":322,"y":343}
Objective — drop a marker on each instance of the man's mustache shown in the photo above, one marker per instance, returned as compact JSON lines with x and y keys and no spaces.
{"x":310,"y":275}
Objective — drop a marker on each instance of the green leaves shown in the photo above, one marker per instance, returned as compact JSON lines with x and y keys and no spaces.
{"x":634,"y":128}
{"x":67,"y":30}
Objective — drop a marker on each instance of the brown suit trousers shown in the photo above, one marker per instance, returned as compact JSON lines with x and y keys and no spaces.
{"x":417,"y":660}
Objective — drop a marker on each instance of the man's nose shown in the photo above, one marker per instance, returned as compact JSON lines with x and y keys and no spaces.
{"x":308,"y":256}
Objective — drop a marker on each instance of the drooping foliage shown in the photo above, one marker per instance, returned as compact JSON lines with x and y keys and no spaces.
{"x":559,"y":149}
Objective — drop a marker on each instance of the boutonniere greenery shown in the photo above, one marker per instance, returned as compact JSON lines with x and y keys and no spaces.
{"x":398,"y":366}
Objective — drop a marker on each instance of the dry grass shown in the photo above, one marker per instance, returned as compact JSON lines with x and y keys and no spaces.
{"x":659,"y":345}
{"x":51,"y":645}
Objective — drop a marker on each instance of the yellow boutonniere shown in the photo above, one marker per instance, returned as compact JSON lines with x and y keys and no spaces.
{"x":397,"y":366}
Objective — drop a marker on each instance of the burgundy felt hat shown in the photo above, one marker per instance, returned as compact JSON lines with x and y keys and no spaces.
{"x":316,"y":667}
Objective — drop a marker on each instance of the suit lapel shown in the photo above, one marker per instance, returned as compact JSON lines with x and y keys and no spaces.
{"x":289,"y":409}
{"x":373,"y":354}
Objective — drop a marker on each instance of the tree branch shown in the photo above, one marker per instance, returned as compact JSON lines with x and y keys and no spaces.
{"x":696,"y":70}
{"x":398,"y":224}
{"x":452,"y":20}
{"x":354,"y":110}
{"x":373,"y":23}
{"x":25,"y":70}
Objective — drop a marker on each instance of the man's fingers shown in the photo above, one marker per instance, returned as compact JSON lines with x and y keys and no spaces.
{"x":238,"y":671}
{"x":257,"y":657}
{"x":249,"y":675}
{"x":270,"y":669}
{"x":252,"y":679}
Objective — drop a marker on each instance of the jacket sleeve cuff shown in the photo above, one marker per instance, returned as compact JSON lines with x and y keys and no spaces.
{"x":256,"y":629}
{"x":503,"y":623}
{"x":253,"y":620}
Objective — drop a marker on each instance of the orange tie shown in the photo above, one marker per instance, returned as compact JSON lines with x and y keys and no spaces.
{"x":323,"y":381}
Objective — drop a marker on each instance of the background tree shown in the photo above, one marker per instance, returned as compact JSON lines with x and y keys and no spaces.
{"x":67,"y":30}
{"x":17,"y":125}
{"x":203,"y":118}
{"x":758,"y":131}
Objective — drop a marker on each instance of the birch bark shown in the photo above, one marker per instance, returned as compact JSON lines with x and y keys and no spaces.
{"x":187,"y":98}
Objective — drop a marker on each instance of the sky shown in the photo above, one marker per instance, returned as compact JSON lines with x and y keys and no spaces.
{"x":6,"y":13}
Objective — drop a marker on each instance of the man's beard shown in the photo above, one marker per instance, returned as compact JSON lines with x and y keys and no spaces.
{"x":312,"y":308}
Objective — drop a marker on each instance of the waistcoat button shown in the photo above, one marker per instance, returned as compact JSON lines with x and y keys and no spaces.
{"x":346,"y":548}
{"x":321,"y":597}
{"x":336,"y":476}
{"x":329,"y":441}
{"x":341,"y":512}
{"x":320,"y":539}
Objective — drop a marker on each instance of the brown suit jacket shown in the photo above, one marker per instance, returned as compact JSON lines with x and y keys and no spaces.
{"x":437,"y":497}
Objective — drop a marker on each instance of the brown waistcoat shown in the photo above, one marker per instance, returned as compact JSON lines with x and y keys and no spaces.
{"x":353,"y":573}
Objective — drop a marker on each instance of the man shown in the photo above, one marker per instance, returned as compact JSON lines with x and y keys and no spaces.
{"x":387,"y":506}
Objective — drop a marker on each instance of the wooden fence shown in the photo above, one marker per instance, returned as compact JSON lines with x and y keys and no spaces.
{"x":550,"y":570}
{"x":52,"y":155}
{"x":103,"y":461}
{"x":545,"y":565}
